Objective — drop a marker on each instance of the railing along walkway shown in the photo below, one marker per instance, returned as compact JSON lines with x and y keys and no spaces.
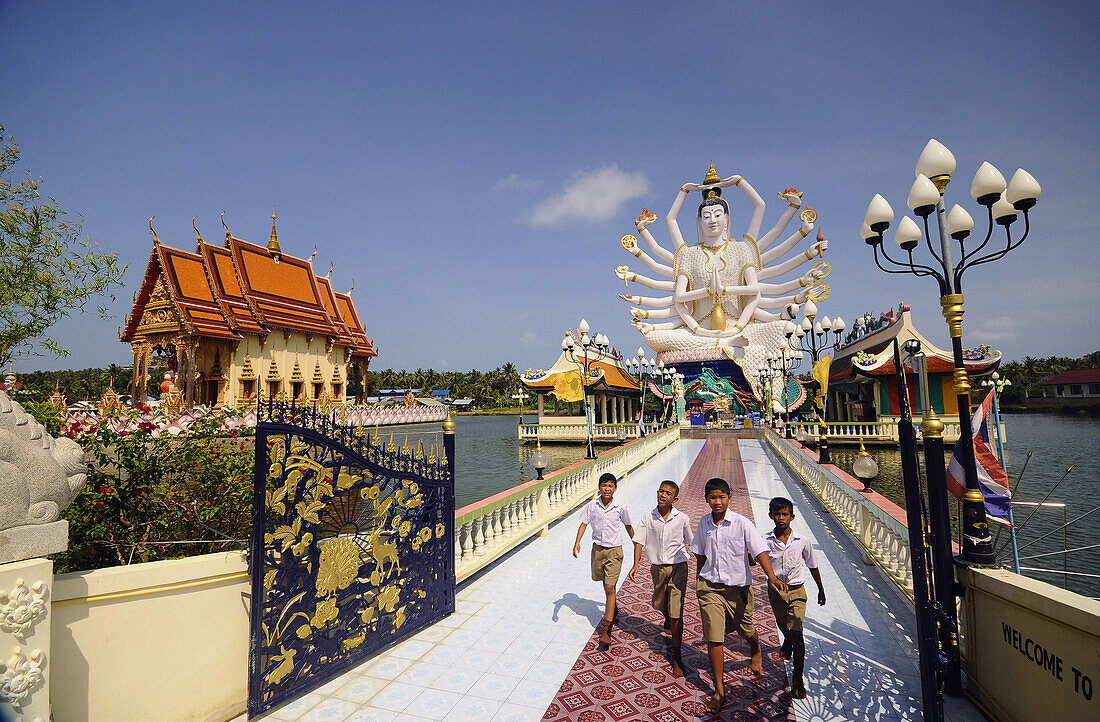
{"x":488,"y":529}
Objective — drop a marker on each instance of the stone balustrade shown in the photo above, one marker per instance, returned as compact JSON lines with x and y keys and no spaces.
{"x":488,"y":529}
{"x":875,"y":431}
{"x":577,"y":432}
{"x":875,"y":522}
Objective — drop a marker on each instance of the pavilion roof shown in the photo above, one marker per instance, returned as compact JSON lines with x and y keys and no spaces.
{"x":608,"y":373}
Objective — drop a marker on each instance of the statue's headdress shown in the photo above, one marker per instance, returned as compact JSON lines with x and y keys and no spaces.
{"x":712,"y":195}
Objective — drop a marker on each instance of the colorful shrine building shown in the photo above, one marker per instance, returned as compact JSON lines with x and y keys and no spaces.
{"x":862,"y":380}
{"x":242,"y":322}
{"x":614,"y":397}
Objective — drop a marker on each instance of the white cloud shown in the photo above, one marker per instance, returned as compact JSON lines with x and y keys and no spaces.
{"x":595,"y":196}
{"x":529,"y":340}
{"x":443,"y":363}
{"x":515,"y":183}
{"x":994,"y":330}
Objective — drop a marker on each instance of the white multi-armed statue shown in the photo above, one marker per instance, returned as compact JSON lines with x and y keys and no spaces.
{"x":721,"y":288}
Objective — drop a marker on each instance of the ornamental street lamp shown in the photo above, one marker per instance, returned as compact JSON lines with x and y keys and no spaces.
{"x":644,"y":370}
{"x":591,"y":348}
{"x":812,"y":337}
{"x":1003,"y":203}
{"x":781,"y":363}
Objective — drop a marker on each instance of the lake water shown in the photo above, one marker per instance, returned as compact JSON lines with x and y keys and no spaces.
{"x":1057,"y":442}
{"x":490,"y":459}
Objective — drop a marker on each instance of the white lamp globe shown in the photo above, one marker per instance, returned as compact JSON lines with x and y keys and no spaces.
{"x":1003,"y":211}
{"x":879,"y":214}
{"x":1023,"y":190}
{"x":923,"y":196}
{"x":988,"y":184}
{"x":935,"y":161}
{"x":908,"y":233}
{"x":959,"y":223}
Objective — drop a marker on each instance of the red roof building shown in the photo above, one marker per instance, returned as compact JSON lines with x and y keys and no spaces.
{"x":241,"y":322}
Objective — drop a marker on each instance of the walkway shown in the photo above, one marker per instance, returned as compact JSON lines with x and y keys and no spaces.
{"x":526,"y":623}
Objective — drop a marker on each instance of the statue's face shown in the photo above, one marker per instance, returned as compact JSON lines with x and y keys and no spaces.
{"x":714,"y":221}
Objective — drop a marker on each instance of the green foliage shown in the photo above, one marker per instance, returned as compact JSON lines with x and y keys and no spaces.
{"x":492,"y":388}
{"x":46,"y":271}
{"x":149,"y":498}
{"x":74,"y":385}
{"x":1028,"y":374}
{"x":46,"y":414}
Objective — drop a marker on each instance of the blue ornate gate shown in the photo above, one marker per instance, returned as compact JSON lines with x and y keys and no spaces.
{"x":352,"y":548}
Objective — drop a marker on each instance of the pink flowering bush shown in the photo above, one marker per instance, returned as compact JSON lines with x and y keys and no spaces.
{"x":150,"y":498}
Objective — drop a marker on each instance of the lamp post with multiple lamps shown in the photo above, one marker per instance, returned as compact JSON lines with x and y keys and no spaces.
{"x":591,"y":348}
{"x":781,"y":363}
{"x":643,"y":370}
{"x":812,"y":337}
{"x":1003,"y":203}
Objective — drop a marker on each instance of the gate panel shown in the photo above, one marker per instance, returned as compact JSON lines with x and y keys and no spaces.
{"x":352,"y":549}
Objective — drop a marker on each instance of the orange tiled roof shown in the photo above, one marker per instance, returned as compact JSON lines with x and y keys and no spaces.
{"x":225,"y":292}
{"x":283,"y":294}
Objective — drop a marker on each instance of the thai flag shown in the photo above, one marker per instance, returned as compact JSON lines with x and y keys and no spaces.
{"x":991,"y":475}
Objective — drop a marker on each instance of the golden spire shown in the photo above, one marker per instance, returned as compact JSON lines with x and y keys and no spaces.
{"x":711,"y":177}
{"x":352,"y":286}
{"x":331,"y":267}
{"x":227,"y":234}
{"x":200,"y":241}
{"x":310,"y":259}
{"x":273,"y":244}
{"x":156,"y":241}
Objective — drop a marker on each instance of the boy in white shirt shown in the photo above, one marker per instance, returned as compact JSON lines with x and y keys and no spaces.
{"x":665,"y":533}
{"x":791,"y":555}
{"x":606,"y":518}
{"x":722,"y":545}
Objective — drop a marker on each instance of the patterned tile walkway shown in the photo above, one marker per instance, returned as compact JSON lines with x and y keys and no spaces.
{"x":633,"y":680}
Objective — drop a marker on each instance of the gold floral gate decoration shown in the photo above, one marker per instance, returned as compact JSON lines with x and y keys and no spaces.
{"x":352,"y":548}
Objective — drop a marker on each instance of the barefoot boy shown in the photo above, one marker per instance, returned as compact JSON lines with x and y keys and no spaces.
{"x":722,"y":546}
{"x":606,"y":518}
{"x":791,"y":555}
{"x":665,"y":533}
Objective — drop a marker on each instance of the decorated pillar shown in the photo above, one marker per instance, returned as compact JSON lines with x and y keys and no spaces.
{"x":51,"y":474}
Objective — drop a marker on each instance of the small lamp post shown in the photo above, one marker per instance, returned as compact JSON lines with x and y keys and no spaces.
{"x":812,"y":337}
{"x":591,"y":348}
{"x":864,"y":467}
{"x":538,"y":460}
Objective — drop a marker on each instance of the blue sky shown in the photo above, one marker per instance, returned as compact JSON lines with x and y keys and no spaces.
{"x":444,"y":155}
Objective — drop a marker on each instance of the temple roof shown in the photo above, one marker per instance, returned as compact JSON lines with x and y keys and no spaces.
{"x":608,"y":373}
{"x":1077,"y":376}
{"x":242,"y":289}
{"x":871,"y":352}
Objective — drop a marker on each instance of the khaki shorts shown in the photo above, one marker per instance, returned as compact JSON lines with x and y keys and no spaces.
{"x":789,"y":608}
{"x":669,"y":587}
{"x":607,"y":564}
{"x":718,"y":602}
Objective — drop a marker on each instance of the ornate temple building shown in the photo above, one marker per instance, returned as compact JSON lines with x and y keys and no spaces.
{"x":862,"y":380}
{"x":241,"y":322}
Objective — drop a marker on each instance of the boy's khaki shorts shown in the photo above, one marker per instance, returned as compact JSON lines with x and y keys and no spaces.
{"x":717,"y":602}
{"x":789,"y":608}
{"x":669,"y":587}
{"x":607,"y":564}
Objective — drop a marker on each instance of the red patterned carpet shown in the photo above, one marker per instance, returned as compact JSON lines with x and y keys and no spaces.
{"x":633,"y":680}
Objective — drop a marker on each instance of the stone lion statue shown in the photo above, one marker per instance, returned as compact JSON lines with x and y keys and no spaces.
{"x":39,"y":475}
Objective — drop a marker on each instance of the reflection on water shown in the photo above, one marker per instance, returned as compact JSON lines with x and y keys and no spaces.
{"x":1058,"y":442}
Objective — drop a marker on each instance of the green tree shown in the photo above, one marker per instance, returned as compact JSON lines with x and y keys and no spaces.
{"x":46,"y":270}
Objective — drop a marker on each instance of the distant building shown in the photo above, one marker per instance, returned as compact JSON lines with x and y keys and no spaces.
{"x":241,"y":322}
{"x":1073,"y":388}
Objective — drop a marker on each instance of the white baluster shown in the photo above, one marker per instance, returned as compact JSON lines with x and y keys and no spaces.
{"x":468,"y":540}
{"x":458,"y":545}
{"x":479,"y":536}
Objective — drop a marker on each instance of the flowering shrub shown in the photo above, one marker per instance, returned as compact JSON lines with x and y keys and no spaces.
{"x":159,"y":497}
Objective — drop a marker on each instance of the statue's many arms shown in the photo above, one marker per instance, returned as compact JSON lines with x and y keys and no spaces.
{"x":719,"y":286}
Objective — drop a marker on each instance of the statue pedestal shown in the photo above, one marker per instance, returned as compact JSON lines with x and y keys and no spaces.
{"x":26,"y":588}
{"x":33,"y":540}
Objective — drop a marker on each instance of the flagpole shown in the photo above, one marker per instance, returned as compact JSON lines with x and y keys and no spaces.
{"x":997,"y":387}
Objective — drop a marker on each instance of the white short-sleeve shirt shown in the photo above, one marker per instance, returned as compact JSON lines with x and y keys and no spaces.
{"x":790,"y":560}
{"x":666,"y":541}
{"x":726,"y":546}
{"x":606,"y":522}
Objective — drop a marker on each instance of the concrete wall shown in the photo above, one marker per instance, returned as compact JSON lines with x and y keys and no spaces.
{"x":157,"y":641}
{"x":1030,"y":648}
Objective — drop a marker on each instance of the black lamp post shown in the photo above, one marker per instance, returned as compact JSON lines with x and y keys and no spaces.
{"x":591,"y":349}
{"x":1003,"y":203}
{"x":812,"y":337}
{"x":781,"y":363}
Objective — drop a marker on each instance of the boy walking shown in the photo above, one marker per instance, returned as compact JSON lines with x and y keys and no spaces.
{"x":722,"y":546}
{"x":665,"y":533}
{"x":791,"y":555}
{"x":607,"y":519}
